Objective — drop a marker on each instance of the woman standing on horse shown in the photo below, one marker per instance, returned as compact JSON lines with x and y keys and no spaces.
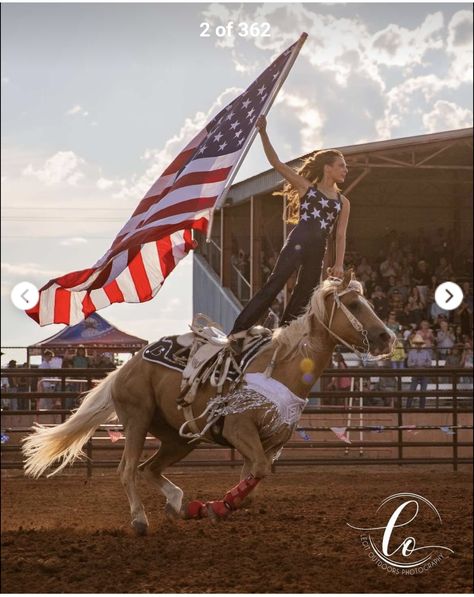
{"x":317,"y":207}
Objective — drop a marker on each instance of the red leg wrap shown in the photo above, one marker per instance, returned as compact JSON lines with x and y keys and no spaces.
{"x":195,"y":509}
{"x":235,"y":496}
{"x":219,"y":508}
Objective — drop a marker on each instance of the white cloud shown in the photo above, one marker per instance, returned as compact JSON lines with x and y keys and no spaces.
{"x":446,"y":116}
{"x":31,"y":272}
{"x":77,"y":110}
{"x":459,"y":46}
{"x":62,"y":167}
{"x":161,"y":158}
{"x":399,"y":46}
{"x":104,"y":184}
{"x":402,"y":100}
{"x":73,"y":241}
{"x":307,"y":114}
{"x":395,"y":69}
{"x":26,"y":270}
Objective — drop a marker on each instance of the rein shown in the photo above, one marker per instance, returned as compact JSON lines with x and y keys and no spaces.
{"x":356,"y":324}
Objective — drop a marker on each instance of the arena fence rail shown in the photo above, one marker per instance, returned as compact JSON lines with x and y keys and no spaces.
{"x":351,"y":426}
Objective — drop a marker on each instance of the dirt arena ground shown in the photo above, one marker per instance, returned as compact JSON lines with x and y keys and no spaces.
{"x":72,"y":535}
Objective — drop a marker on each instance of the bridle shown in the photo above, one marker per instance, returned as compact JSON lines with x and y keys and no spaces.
{"x":363,"y":354}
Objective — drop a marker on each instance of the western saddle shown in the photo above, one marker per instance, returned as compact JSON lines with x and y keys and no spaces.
{"x":210,"y":356}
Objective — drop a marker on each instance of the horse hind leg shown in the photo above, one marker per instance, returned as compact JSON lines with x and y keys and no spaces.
{"x":241,"y":432}
{"x":172,"y":449}
{"x":135,"y":434}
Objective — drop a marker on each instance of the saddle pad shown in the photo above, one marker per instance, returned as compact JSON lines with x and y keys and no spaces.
{"x":163,"y":352}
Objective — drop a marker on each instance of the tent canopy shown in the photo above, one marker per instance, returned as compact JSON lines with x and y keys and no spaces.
{"x":94,"y":332}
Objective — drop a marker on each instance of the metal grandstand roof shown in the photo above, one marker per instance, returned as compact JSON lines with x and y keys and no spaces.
{"x":270,"y":180}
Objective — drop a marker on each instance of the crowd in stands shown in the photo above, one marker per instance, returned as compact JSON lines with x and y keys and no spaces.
{"x":400,"y":282}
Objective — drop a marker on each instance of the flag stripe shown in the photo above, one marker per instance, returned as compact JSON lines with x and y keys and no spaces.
{"x":62,"y":305}
{"x":159,"y":232}
{"x":165,"y":255}
{"x":114,"y":293}
{"x":140,"y":278}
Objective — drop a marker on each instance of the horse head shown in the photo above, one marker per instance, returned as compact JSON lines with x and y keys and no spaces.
{"x":342,"y":309}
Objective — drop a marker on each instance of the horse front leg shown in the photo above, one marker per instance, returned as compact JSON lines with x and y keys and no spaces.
{"x":241,"y":432}
{"x":134,"y":443}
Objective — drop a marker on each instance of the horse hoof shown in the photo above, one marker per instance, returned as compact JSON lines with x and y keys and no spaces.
{"x":141,"y":528}
{"x":171,"y":513}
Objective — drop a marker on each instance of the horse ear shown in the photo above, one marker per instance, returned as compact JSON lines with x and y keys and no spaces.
{"x":348,"y":276}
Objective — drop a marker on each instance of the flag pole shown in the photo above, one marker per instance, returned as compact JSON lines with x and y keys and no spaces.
{"x":266,"y":108}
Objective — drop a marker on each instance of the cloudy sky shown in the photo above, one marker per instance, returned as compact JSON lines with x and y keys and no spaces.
{"x":98,"y":99}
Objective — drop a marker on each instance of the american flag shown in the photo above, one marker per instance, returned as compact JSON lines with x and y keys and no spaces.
{"x":159,"y":233}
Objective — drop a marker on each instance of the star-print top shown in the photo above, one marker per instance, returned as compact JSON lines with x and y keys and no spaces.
{"x":317,"y":209}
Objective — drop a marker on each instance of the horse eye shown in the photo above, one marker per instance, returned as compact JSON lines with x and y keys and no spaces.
{"x":353,"y":306}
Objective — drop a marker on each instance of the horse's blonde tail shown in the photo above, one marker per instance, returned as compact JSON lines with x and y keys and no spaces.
{"x":64,"y":442}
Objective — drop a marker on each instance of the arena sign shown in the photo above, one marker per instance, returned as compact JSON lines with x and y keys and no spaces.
{"x":392,"y":546}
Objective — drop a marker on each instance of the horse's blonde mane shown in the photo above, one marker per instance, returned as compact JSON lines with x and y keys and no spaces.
{"x":288,"y":338}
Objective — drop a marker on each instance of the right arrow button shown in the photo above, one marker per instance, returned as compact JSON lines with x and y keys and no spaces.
{"x":448,"y":296}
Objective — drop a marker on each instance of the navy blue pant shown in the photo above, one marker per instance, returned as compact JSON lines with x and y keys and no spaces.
{"x":304,"y":249}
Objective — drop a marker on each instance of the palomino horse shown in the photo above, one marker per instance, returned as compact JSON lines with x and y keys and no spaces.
{"x":143,"y":396}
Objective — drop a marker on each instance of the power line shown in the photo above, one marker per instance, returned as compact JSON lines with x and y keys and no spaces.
{"x":57,"y":219}
{"x":30,"y":207}
{"x":63,"y":237}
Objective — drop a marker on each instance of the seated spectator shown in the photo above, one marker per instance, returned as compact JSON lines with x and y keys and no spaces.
{"x":371,"y":283}
{"x":418,"y":357}
{"x":48,"y":362}
{"x":104,"y":360}
{"x":426,"y":333}
{"x":397,"y":360}
{"x":434,"y":309}
{"x":453,"y":359}
{"x":466,"y":359}
{"x":463,"y":316}
{"x":363,"y":270}
{"x":403,"y":286}
{"x":414,"y":309}
{"x":23,"y":386}
{"x":396,"y":304}
{"x":392,"y":323}
{"x":467,"y":291}
{"x":11,"y":387}
{"x":406,"y":270}
{"x":389,"y":284}
{"x":380,"y":302}
{"x":444,"y":272}
{"x":405,"y":317}
{"x":80,"y":360}
{"x":422,"y":279}
{"x":445,"y":339}
{"x":389,"y":267}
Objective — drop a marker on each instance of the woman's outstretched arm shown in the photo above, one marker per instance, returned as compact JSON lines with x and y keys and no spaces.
{"x":300,"y":183}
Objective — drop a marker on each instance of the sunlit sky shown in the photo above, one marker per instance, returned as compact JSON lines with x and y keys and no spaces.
{"x":97,"y":99}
